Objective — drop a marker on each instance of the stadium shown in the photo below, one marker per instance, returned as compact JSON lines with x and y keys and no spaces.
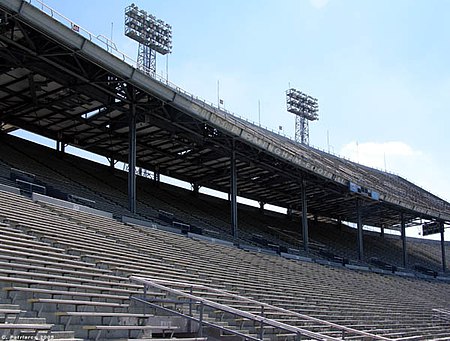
{"x":93,"y":252}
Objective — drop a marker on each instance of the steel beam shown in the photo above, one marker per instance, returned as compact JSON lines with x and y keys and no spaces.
{"x":403,"y":234}
{"x":102,"y":76}
{"x":444,"y":261}
{"x":304,"y":216}
{"x":360,"y":231}
{"x":132,"y":153}
{"x":233,"y":193}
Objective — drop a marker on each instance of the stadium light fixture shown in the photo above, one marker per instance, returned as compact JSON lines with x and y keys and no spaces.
{"x":306,"y":109}
{"x":152,"y":34}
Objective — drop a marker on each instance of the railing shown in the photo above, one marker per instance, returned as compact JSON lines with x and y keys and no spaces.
{"x":99,"y":39}
{"x":30,"y":187}
{"x":73,"y":197}
{"x":19,"y":171}
{"x":443,"y":314}
{"x":111,"y":47}
{"x":201,"y":322}
{"x":193,"y":300}
{"x":163,"y":285}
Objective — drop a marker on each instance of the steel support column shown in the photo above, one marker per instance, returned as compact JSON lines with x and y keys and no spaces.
{"x":360,"y":231}
{"x":233,"y":193}
{"x":444,"y":262}
{"x":195,"y":189}
{"x":132,"y":153}
{"x":304,"y":216}
{"x":261,"y":207}
{"x":403,"y":233}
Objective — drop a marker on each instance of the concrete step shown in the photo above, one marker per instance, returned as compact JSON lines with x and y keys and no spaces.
{"x":26,"y":320}
{"x":9,"y":306}
{"x":63,"y":335}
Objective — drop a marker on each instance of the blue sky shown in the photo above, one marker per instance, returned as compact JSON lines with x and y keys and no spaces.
{"x":378,"y":67}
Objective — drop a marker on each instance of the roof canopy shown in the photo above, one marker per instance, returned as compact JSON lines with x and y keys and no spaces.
{"x":59,"y":84}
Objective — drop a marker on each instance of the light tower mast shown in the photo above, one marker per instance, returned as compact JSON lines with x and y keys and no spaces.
{"x":306,"y":109}
{"x":152,"y":34}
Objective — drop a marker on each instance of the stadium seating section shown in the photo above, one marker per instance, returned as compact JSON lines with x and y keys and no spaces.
{"x":64,"y":273}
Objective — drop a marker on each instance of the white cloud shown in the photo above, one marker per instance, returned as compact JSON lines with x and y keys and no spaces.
{"x":375,"y":154}
{"x":319,"y":4}
{"x":400,"y":158}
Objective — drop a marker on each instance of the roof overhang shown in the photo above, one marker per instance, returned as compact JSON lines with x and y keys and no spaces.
{"x":59,"y":84}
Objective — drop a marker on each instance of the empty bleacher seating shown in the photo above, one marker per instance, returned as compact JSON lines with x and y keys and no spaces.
{"x":91,"y":184}
{"x":69,"y":269}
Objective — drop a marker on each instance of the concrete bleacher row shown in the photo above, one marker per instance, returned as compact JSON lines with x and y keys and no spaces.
{"x":59,"y":263}
{"x":388,"y":248}
{"x":45,"y":269}
{"x":108,"y":191}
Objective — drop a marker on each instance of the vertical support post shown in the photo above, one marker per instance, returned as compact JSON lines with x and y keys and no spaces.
{"x":145,"y":298}
{"x":304,"y":216}
{"x":261,"y":207}
{"x":382,"y":231}
{"x":189,"y":322}
{"x":403,"y":234}
{"x":132,"y":152}
{"x":360,"y":231}
{"x":444,"y":261}
{"x":289,"y":213}
{"x":261,"y":331}
{"x":200,"y":322}
{"x":195,"y":189}
{"x":112,"y":164}
{"x":233,"y":193}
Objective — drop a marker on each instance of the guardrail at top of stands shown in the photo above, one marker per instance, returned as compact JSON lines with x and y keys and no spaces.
{"x":109,"y":45}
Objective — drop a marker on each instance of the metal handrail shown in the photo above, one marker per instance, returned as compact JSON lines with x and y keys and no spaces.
{"x":159,"y":284}
{"x":234,"y":311}
{"x":200,"y":321}
{"x":443,"y":314}
{"x":30,"y":186}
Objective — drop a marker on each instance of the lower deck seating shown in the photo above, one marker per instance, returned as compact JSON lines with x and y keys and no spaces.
{"x":105,"y":190}
{"x":71,"y":269}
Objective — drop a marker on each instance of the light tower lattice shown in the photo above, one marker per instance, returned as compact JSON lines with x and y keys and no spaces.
{"x":306,"y":109}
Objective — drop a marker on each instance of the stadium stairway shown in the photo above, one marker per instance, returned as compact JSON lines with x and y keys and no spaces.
{"x":57,"y":262}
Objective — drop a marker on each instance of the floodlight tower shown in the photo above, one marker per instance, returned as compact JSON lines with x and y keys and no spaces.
{"x":306,"y":109}
{"x":152,"y":34}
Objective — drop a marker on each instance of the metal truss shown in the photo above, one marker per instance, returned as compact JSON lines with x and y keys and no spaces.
{"x":53,"y":90}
